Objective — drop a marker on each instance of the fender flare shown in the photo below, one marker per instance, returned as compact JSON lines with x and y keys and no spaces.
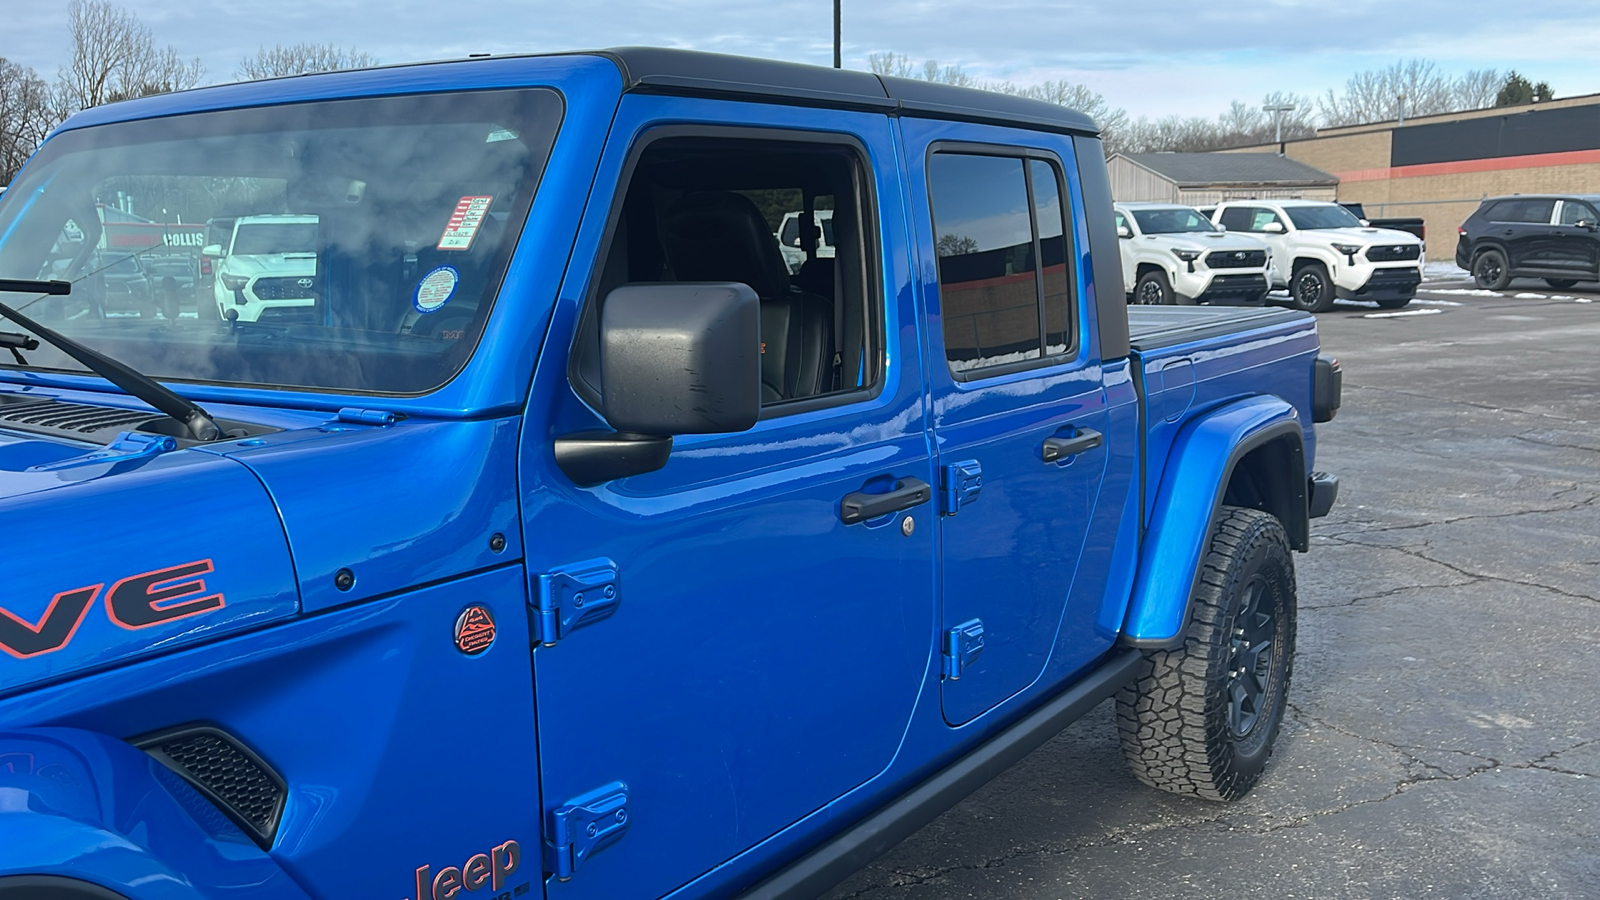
{"x":92,"y":816}
{"x":1205,"y":453}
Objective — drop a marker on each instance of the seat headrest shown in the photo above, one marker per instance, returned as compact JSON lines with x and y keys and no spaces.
{"x":722,"y":236}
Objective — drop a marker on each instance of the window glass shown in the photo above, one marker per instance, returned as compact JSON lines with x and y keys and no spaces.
{"x":1122,"y":222}
{"x":1575,"y":211}
{"x":1536,"y":212}
{"x":713,"y":209}
{"x":1053,"y":257}
{"x":1330,"y":216}
{"x":356,"y":245}
{"x":983,"y":236}
{"x":1261,"y":218}
{"x":1236,"y":218}
{"x":1171,"y":220}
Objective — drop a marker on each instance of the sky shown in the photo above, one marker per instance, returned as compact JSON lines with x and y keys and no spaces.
{"x":1151,"y":57}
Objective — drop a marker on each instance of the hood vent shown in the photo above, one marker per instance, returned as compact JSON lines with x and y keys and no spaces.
{"x":73,"y":418}
{"x":227,"y":773}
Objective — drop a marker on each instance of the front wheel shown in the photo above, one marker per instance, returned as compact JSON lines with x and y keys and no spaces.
{"x":1311,"y":289}
{"x":1153,"y":289}
{"x":1201,"y":719}
{"x":1489,"y":271}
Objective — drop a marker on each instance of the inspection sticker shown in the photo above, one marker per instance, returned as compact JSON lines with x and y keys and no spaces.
{"x":435,"y":289}
{"x":464,"y":223}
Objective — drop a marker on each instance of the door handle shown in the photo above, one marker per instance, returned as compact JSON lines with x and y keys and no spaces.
{"x":861,"y":506}
{"x":1508,"y":232}
{"x":1058,"y":448}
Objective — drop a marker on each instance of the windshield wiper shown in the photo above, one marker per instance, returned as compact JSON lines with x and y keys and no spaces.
{"x":199,"y":424}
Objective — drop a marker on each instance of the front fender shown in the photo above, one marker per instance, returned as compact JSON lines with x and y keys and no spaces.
{"x":1186,"y":506}
{"x":84,"y":806}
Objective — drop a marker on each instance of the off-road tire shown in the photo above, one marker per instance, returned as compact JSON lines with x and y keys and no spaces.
{"x":1394,"y":303}
{"x":1153,"y":289}
{"x":1181,"y":731}
{"x":1561,"y":284}
{"x":1310,"y":288}
{"x":1489,"y":270}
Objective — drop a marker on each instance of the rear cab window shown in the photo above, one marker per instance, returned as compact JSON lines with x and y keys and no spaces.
{"x":1006,"y":291}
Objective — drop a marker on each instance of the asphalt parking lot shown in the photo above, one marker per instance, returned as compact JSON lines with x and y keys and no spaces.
{"x":1444,"y":732}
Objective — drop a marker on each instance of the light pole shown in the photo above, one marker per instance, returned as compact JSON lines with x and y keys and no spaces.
{"x":1277,"y":110}
{"x":836,"y":59}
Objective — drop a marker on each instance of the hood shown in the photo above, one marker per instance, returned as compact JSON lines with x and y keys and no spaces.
{"x":271,"y":264}
{"x":119,"y":558}
{"x":1367,"y":236}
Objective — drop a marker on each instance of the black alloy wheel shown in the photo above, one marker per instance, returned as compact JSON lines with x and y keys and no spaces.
{"x":1153,"y":289}
{"x":1253,"y":646}
{"x":1489,"y":271}
{"x":1311,"y":289}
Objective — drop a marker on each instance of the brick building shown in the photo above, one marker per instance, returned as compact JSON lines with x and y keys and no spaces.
{"x":1440,"y":167}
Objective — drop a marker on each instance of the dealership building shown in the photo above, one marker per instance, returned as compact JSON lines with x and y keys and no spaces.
{"x":1441,"y":167}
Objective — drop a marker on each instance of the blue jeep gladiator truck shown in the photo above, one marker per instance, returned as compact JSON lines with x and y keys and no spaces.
{"x":511,"y":522}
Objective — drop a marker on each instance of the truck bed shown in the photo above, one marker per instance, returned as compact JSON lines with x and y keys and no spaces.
{"x":1154,"y":327}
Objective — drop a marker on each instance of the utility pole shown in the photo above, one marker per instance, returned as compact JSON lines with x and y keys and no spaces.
{"x":1277,"y":110}
{"x":1402,"y":114}
{"x":836,"y":58}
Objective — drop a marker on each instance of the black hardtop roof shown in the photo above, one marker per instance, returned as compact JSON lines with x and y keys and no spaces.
{"x":1573,"y":196}
{"x":660,"y":70}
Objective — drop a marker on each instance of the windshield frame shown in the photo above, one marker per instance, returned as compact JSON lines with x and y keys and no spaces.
{"x":75,"y":137}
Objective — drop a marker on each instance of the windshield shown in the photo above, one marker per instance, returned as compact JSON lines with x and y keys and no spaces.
{"x":1329,"y":216}
{"x":351,"y":245}
{"x":1174,"y":220}
{"x":260,"y":240}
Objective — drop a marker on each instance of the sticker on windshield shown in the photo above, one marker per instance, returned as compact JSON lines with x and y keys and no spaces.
{"x":464,"y":223}
{"x":435,"y":289}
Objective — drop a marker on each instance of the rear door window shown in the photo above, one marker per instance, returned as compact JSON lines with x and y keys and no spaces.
{"x":1532,"y":211}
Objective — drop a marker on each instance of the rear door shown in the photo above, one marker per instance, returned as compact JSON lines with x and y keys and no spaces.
{"x":1574,"y":246}
{"x":1017,"y":402}
{"x":1524,"y":227}
{"x":752,"y":656}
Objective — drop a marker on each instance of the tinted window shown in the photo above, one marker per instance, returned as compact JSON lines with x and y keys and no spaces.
{"x":1530,"y":211}
{"x":1330,"y":216}
{"x":1055,"y":274}
{"x":1575,"y":211}
{"x":1237,"y":218}
{"x":1173,"y":220}
{"x":1122,"y":222}
{"x":983,"y":235}
{"x":277,"y":237}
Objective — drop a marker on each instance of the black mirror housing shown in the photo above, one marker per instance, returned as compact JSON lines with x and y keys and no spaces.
{"x":681,"y":358}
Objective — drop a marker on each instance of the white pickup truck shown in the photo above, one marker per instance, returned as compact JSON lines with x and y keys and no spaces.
{"x":1322,"y":252}
{"x":1171,"y":254}
{"x":267,"y":269}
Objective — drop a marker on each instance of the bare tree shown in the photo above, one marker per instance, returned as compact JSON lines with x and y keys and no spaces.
{"x":1061,"y":92}
{"x":1408,"y":87}
{"x":115,"y":57}
{"x":28,"y":112}
{"x":301,"y":59}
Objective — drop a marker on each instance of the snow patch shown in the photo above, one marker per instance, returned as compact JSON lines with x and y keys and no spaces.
{"x":1423,"y":301}
{"x":1403,"y":312}
{"x":1464,"y":292}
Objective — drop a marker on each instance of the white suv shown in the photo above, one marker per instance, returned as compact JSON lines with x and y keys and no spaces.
{"x":268,"y":264}
{"x":1321,"y":251}
{"x":1171,"y":254}
{"x":788,"y":235}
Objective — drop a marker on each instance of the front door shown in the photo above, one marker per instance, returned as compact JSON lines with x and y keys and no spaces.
{"x":1576,"y":246}
{"x":1016,"y":393}
{"x":757,"y":657}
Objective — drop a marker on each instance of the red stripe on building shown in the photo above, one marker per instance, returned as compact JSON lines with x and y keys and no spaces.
{"x":1459,"y":167}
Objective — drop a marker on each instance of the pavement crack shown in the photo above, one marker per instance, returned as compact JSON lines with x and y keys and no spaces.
{"x":1474,"y":577}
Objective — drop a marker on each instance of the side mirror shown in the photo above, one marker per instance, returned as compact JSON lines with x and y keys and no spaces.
{"x":211,"y":251}
{"x":674,"y":359}
{"x":1588,"y":224}
{"x":1221,"y":229}
{"x":1365,"y":224}
{"x":1124,"y":232}
{"x":1272,"y":228}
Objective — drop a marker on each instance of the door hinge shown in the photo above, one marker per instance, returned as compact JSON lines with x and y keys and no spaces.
{"x":352,"y":415}
{"x":583,"y":826}
{"x":962,"y":646}
{"x":127,"y":446}
{"x":575,"y":595}
{"x":959,"y":484}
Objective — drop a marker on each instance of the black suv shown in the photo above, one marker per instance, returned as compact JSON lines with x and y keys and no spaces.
{"x":1553,"y":237}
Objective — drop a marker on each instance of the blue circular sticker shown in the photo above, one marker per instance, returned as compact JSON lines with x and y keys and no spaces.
{"x":435,"y":289}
